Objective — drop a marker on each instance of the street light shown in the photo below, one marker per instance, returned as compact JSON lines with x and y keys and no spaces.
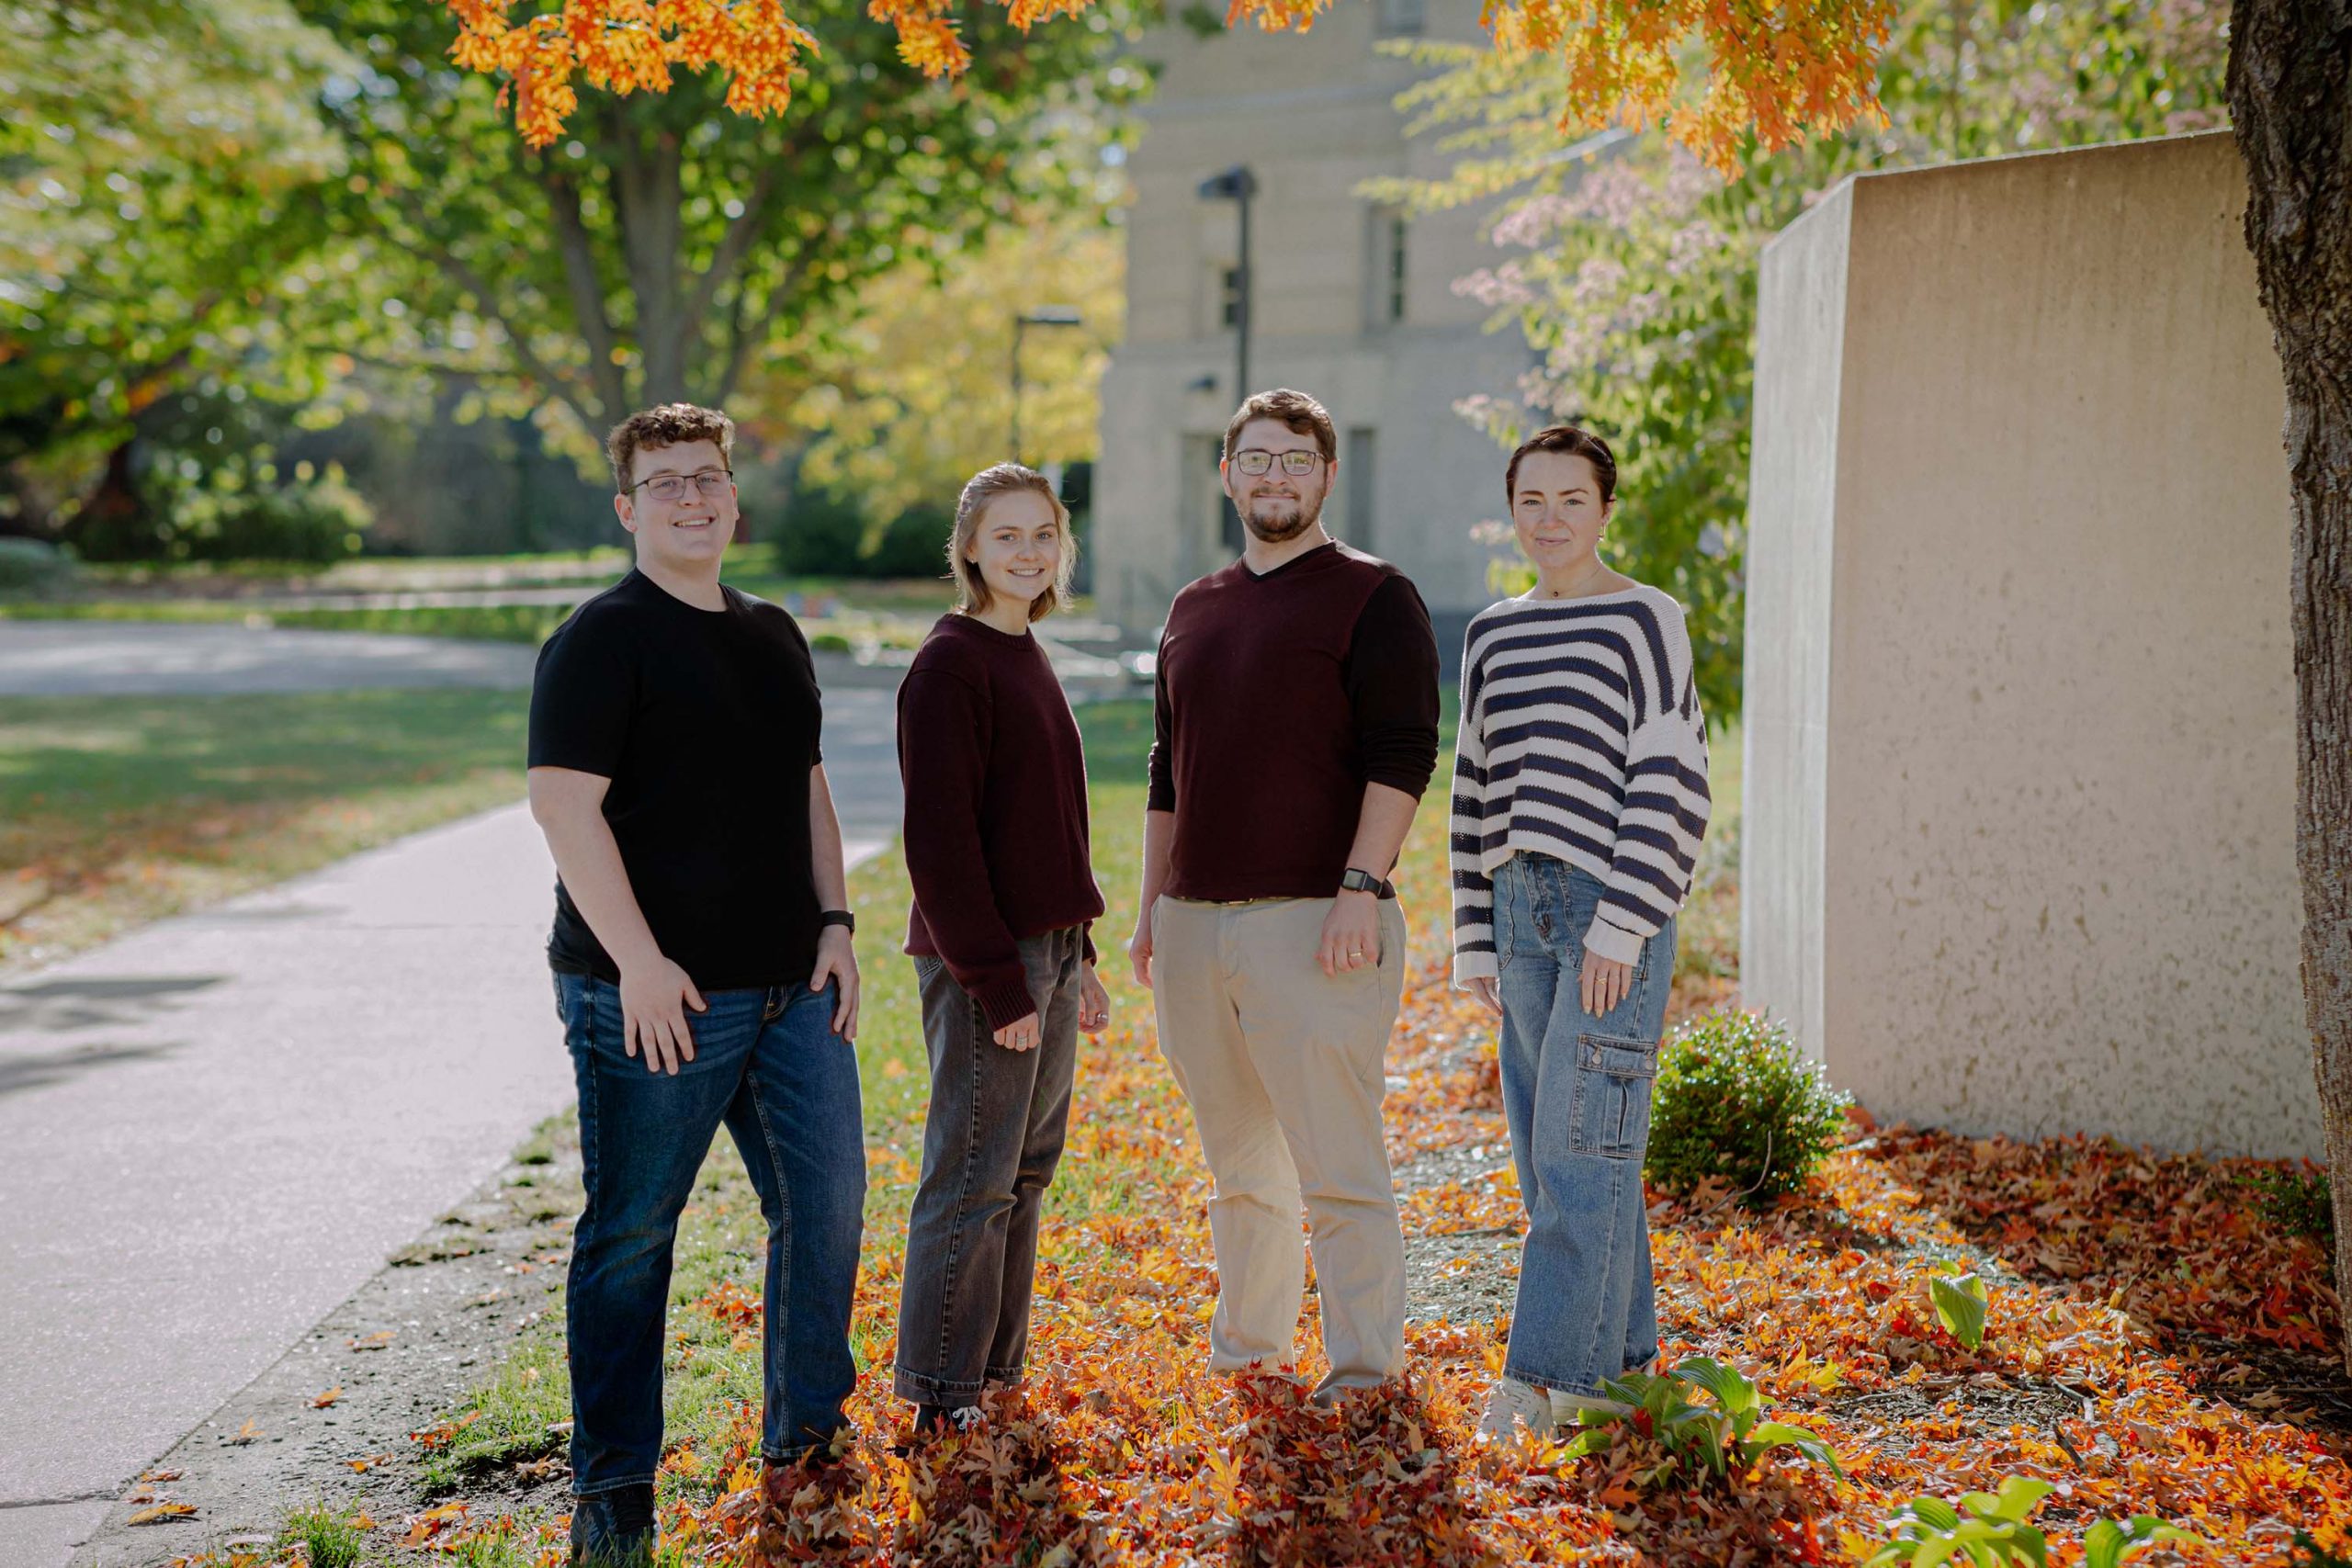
{"x":1238,"y":185}
{"x":1043,"y":316}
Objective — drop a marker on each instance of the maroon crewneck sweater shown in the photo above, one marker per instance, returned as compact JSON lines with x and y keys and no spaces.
{"x":1279,"y":697}
{"x":996,"y":829}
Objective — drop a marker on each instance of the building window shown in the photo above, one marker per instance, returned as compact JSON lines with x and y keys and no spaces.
{"x":1384,"y":300}
{"x":1360,"y":480}
{"x":1400,"y":18}
{"x":1228,"y":296}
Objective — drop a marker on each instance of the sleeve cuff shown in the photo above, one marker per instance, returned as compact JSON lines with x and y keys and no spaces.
{"x":1004,"y":999}
{"x":1469,"y":967}
{"x":1606,"y":941}
{"x":1415,"y":785}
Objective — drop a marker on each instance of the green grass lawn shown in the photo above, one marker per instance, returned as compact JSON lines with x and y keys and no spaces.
{"x":839,"y":611}
{"x":114,"y":810}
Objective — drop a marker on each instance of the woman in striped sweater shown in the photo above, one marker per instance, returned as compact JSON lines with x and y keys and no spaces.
{"x":1579,"y":800}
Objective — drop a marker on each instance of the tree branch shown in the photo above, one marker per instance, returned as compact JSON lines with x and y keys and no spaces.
{"x":736,"y":244}
{"x":459,"y":272}
{"x":579,"y":254}
{"x":745,"y":335}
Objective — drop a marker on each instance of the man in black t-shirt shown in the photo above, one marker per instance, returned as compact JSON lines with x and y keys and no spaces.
{"x":702,"y":964}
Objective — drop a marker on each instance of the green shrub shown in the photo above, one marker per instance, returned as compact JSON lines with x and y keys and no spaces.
{"x":316,"y":519}
{"x":31,"y":569}
{"x":1737,"y":1101}
{"x":826,"y":534}
{"x":2296,"y":1200}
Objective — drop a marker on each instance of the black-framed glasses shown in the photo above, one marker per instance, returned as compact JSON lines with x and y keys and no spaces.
{"x":672,"y":487}
{"x":1256,"y":460}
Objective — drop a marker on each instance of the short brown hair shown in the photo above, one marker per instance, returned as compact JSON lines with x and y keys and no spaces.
{"x":1005,"y":479}
{"x":1296,"y":409}
{"x":1575,"y":443}
{"x":670,"y":424}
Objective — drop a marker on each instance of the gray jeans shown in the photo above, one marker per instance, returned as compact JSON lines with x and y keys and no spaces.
{"x":990,"y":1146}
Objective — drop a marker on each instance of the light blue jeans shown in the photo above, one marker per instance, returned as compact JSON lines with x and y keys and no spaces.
{"x":1577,"y":1095}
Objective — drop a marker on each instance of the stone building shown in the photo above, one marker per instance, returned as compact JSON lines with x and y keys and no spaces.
{"x":1351,"y":302}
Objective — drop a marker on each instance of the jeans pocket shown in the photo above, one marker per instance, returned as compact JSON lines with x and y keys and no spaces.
{"x":1611,"y":1113}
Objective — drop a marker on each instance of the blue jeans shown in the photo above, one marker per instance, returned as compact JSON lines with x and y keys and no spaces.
{"x":1577,"y":1095}
{"x":989,"y":1146}
{"x":767,"y":1064}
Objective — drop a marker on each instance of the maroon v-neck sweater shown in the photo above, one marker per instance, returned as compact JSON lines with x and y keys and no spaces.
{"x":996,"y":831}
{"x":1279,"y":697}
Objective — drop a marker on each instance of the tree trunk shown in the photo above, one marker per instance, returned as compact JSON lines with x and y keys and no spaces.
{"x":2290,"y":99}
{"x":648,"y":191}
{"x":109,"y":514}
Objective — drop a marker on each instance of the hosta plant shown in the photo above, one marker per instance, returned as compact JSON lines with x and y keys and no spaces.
{"x":1960,"y":1301}
{"x":1702,"y":1441}
{"x":1988,"y":1530}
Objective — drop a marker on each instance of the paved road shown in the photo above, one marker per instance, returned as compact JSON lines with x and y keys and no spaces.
{"x":131,"y":657}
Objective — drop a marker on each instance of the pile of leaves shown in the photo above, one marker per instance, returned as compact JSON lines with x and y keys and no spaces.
{"x":2088,"y":1259}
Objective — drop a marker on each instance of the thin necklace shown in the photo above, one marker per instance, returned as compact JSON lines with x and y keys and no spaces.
{"x":1563,"y":592}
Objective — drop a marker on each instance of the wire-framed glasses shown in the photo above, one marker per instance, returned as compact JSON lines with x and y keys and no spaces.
{"x":711,"y":482}
{"x":1255,"y":460}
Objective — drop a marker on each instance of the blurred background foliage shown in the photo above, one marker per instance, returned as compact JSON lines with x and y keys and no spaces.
{"x":278,"y":281}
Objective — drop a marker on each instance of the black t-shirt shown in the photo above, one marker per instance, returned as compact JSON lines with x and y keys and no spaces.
{"x":707,"y":722}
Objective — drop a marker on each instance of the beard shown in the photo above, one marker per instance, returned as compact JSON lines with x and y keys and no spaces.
{"x":1274,"y":519}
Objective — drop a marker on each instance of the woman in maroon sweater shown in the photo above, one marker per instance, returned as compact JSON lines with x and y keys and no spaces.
{"x":996,"y":845}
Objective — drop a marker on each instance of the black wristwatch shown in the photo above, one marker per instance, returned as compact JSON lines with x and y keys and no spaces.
{"x":841,"y":917}
{"x":1356,"y":881}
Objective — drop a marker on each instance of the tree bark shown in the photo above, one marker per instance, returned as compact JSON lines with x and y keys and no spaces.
{"x":578,"y":252}
{"x":648,"y":189}
{"x":2290,"y":100}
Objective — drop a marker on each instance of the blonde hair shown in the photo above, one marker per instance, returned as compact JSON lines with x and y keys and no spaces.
{"x":1005,"y":479}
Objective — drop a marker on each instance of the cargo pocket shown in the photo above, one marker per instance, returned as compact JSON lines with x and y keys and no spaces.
{"x":1611,"y":1116}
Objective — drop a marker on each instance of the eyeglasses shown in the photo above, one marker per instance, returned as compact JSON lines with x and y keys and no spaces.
{"x":672,"y":487}
{"x":1254,"y":460}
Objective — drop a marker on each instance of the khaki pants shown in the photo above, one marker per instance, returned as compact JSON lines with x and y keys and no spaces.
{"x":1283,"y":1068}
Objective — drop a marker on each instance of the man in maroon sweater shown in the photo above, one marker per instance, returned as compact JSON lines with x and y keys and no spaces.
{"x":1296,"y":725}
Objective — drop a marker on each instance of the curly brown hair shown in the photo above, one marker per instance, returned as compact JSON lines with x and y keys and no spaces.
{"x":972,"y":591}
{"x":1293,"y":409}
{"x":669,"y":424}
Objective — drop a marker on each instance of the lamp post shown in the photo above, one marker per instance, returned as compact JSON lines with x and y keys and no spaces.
{"x":1043,"y":316}
{"x":1238,"y":185}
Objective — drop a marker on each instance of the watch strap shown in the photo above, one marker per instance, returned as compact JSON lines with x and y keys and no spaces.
{"x":841,"y":917}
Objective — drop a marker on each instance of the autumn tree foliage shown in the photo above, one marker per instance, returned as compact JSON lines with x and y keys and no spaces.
{"x":1774,"y":75}
{"x":673,"y":244}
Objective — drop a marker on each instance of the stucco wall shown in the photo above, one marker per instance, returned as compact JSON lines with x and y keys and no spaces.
{"x":2020,"y":777}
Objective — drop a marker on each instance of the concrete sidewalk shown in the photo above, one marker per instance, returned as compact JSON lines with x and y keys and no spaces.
{"x":215,"y":1129}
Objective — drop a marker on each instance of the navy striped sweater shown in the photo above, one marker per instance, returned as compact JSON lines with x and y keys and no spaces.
{"x":1580,"y":738}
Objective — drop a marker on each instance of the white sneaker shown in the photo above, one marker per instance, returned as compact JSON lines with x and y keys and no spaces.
{"x":1512,"y":1404}
{"x":966,"y":1416}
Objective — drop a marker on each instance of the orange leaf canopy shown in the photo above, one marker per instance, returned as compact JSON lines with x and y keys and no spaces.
{"x":1776,"y":71}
